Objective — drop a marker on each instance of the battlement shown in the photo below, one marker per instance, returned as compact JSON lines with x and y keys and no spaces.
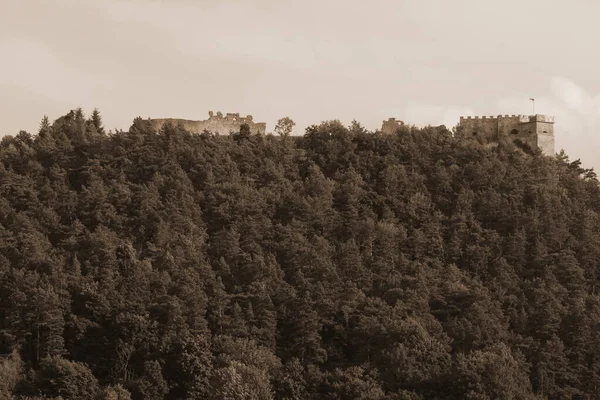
{"x":521,"y":117}
{"x":217,"y":123}
{"x":486,"y":118}
{"x":537,"y":130}
{"x":229,"y":117}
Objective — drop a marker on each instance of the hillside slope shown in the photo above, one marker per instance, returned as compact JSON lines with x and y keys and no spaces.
{"x":343,"y":264}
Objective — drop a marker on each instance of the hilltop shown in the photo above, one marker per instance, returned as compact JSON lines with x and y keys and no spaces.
{"x":341,"y":264}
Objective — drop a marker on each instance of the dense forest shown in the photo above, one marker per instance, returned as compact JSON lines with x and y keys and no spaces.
{"x":341,"y":264}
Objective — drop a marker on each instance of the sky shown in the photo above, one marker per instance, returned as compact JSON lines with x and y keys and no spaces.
{"x":421,"y":61}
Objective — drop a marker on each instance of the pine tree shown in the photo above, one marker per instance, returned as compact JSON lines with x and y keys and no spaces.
{"x":44,"y":126}
{"x":97,"y":121}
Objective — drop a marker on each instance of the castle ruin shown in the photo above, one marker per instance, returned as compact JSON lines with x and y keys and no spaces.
{"x":216,"y":123}
{"x":537,"y":131}
{"x":391,"y":125}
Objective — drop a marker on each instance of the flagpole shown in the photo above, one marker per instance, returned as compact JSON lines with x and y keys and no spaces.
{"x":533,"y":101}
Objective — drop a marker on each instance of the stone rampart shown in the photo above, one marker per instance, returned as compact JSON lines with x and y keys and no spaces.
{"x":216,"y":124}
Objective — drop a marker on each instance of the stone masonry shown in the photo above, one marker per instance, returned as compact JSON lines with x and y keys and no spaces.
{"x":216,"y":124}
{"x":537,"y":131}
{"x":391,"y":125}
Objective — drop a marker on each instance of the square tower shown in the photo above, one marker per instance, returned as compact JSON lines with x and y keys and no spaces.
{"x":544,"y":132}
{"x":537,"y":131}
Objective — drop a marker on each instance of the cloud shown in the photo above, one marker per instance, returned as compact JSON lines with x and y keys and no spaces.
{"x":33,"y":67}
{"x":577,"y":112}
{"x":581,"y":105}
{"x":571,"y":95}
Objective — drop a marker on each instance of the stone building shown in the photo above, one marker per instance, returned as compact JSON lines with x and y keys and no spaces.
{"x":537,"y":131}
{"x":216,"y":123}
{"x":391,"y":125}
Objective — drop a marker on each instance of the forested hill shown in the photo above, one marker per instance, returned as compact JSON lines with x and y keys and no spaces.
{"x":343,"y":264}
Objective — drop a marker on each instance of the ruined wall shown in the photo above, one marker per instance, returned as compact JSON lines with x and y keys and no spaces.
{"x":216,"y":123}
{"x":536,"y":130}
{"x":391,"y":125}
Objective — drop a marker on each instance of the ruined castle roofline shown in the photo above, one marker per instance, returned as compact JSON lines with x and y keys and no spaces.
{"x":214,"y":116}
{"x":216,"y":123}
{"x":391,"y":125}
{"x":392,"y":119}
{"x":229,"y":117}
{"x":522,"y":117}
{"x":490,"y":117}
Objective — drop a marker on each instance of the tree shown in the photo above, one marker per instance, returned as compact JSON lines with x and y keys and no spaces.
{"x":239,"y":381}
{"x":71,"y":380}
{"x":341,"y":264}
{"x":284,"y":126}
{"x":116,"y":392}
{"x":495,"y":372}
{"x":353,"y":383}
{"x":44,"y":125}
{"x":152,"y":386}
{"x":11,"y":368}
{"x":96,"y":120}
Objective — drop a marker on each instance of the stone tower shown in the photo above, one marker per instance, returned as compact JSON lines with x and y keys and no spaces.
{"x":537,"y":131}
{"x":391,"y":125}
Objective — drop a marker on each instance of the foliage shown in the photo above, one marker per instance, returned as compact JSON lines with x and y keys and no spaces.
{"x":284,"y":126}
{"x":343,"y":264}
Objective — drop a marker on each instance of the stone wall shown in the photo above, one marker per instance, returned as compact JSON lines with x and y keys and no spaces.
{"x":545,"y":142}
{"x":486,"y":127}
{"x":216,"y":124}
{"x":391,"y":125}
{"x":535,"y":130}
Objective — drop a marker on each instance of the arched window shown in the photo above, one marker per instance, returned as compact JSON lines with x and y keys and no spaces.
{"x":545,"y":131}
{"x":514,"y":132}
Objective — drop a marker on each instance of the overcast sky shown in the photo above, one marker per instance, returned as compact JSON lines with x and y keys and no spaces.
{"x":422,"y":61}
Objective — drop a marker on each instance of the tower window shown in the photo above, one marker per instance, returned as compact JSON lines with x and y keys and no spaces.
{"x":474,"y":133}
{"x":514,"y":132}
{"x":545,"y":131}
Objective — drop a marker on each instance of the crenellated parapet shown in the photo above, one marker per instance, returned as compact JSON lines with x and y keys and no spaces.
{"x":520,"y":117}
{"x":491,"y":117}
{"x":232,"y":117}
{"x":535,"y":130}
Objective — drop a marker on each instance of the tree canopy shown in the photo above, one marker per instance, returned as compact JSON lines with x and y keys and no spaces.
{"x":342,"y":264}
